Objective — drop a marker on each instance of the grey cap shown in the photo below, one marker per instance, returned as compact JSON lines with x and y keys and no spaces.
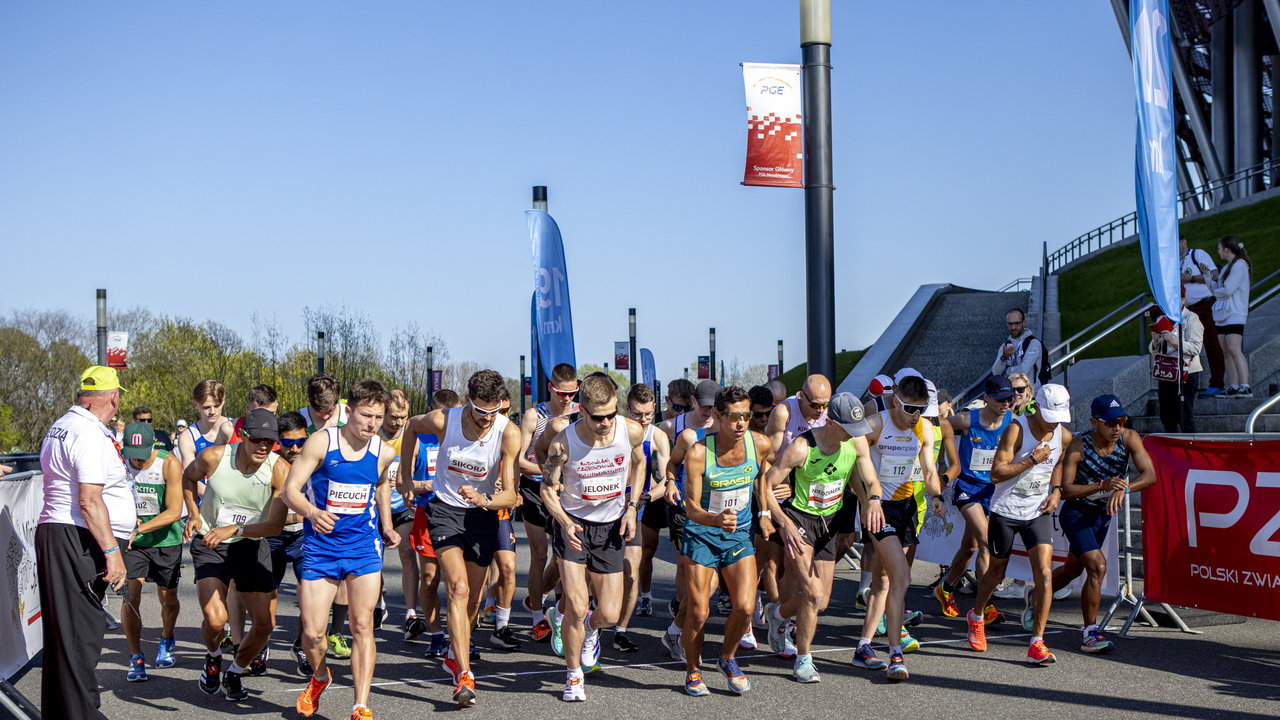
{"x":846,"y":411}
{"x":705,"y":393}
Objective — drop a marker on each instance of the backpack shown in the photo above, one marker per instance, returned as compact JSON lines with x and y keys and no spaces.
{"x":1042,"y":372}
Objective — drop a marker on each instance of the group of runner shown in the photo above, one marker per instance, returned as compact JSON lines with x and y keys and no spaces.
{"x":761,"y":494}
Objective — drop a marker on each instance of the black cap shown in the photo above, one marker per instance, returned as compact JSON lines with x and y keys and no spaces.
{"x":706,"y":393}
{"x":260,"y":424}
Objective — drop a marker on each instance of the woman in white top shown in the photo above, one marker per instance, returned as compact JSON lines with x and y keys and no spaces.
{"x":1231,"y":310}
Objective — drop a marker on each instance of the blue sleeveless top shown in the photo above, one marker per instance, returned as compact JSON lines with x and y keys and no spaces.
{"x":345,"y":488}
{"x":984,"y":442}
{"x":424,"y":467}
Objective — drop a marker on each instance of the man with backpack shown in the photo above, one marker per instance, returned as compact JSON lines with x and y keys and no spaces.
{"x":1022,"y":352}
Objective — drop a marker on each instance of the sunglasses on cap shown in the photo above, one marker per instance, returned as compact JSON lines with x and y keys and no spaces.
{"x":294,"y":443}
{"x":486,"y":413}
{"x":601,"y":418}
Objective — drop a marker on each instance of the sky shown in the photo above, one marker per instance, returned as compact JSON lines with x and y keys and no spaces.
{"x":217,"y":160}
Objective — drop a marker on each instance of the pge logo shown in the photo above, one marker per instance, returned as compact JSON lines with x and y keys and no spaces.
{"x":773,"y":89}
{"x":1261,"y":544}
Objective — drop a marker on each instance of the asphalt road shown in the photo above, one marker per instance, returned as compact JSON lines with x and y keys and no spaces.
{"x":1230,"y":671}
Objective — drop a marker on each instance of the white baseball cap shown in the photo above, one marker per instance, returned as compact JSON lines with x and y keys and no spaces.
{"x":182,"y":423}
{"x":1053,"y":402}
{"x":905,"y":373}
{"x":932,"y":410}
{"x":880,"y":384}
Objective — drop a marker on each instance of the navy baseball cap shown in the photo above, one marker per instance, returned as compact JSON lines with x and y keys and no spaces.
{"x":998,"y":387}
{"x":1107,"y":408}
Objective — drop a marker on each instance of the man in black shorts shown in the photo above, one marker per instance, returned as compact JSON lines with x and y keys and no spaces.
{"x":637,"y":592}
{"x":286,"y":548}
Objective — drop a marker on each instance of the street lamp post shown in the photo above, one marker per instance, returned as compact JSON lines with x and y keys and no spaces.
{"x":102,"y":326}
{"x":819,"y":221}
{"x":631,"y":326}
{"x":320,"y":352}
{"x":712,"y":370}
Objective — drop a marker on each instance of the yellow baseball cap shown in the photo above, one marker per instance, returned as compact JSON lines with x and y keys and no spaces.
{"x":98,"y":377}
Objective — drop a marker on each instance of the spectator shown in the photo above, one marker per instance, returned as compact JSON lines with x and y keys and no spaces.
{"x":142,"y":413}
{"x":1197,"y":269}
{"x":1175,"y":415}
{"x":1024,"y":399}
{"x":1231,"y":311}
{"x":1021,"y":353}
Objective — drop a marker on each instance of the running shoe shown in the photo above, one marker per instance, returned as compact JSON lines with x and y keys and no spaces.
{"x":865,"y":658}
{"x":992,"y":616}
{"x":258,"y":665}
{"x":339,"y":647}
{"x":880,"y":627}
{"x":379,"y":614}
{"x":590,"y":643}
{"x":1095,"y":643}
{"x":489,"y":616}
{"x":541,"y":631}
{"x":694,"y":686}
{"x":789,"y":643}
{"x":909,"y":644}
{"x":504,"y":638}
{"x":977,"y":633}
{"x":232,"y":688}
{"x":724,"y":605}
{"x":226,"y":643}
{"x":1244,"y":392}
{"x":210,"y":677}
{"x":947,"y":600}
{"x":777,"y":629}
{"x":738,"y":682}
{"x":465,"y":692}
{"x":804,"y":671}
{"x":748,"y":641}
{"x":757,"y":615}
{"x":361,"y":713}
{"x":1038,"y":654}
{"x":137,"y":668}
{"x":574,"y":688}
{"x":304,"y":665}
{"x":1062,"y":594}
{"x":1028,"y":609}
{"x":450,"y":666}
{"x":594,"y":668}
{"x":897,"y":669}
{"x":674,"y":643}
{"x":557,"y":642}
{"x":438,"y":646}
{"x":309,"y":700}
{"x":911,"y":618}
{"x":1009,"y":591}
{"x":673,"y":607}
{"x":1211,"y":392}
{"x":413,"y":627}
{"x":164,"y":656}
{"x":644,"y":606}
{"x":622,"y":643}
{"x":860,"y":599}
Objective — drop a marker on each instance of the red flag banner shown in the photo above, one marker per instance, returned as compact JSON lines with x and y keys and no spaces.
{"x":704,"y":367}
{"x":118,"y":349}
{"x":622,"y":355}
{"x":775,"y":146}
{"x":774,"y":371}
{"x":1211,"y":525}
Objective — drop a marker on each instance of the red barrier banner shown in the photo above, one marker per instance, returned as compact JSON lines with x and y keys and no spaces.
{"x":1211,"y":525}
{"x":775,"y":145}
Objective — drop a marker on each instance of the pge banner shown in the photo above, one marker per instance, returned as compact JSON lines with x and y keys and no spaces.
{"x":1211,"y":525}
{"x":622,"y":355}
{"x":775,"y":146}
{"x":118,"y":349}
{"x":20,"y":624}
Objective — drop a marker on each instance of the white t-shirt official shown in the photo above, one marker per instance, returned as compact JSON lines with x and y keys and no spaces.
{"x":1191,"y":262}
{"x":78,"y":449}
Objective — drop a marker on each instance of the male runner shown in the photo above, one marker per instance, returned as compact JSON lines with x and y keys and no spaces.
{"x":638,"y":558}
{"x":155,"y":549}
{"x":778,"y":389}
{"x":501,"y":583}
{"x":768,"y":554}
{"x":324,"y":407}
{"x":1027,"y":473}
{"x":392,"y":434}
{"x":819,"y":466}
{"x":541,"y":576}
{"x":210,"y":427}
{"x":601,"y":460}
{"x":723,"y":472}
{"x":795,"y":415}
{"x":979,"y":431}
{"x":260,"y":396}
{"x":1094,"y":486}
{"x":679,"y":398}
{"x":241,"y":505}
{"x":347,"y":511}
{"x":287,"y":547}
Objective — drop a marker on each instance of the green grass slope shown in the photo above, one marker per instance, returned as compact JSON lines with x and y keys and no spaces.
{"x":845,"y":361}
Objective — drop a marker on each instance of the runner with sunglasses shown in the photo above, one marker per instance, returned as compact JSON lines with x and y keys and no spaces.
{"x":1027,"y":473}
{"x":768,"y":554}
{"x":979,"y":431}
{"x":637,"y":585}
{"x":542,"y":574}
{"x":679,"y":398}
{"x":1094,"y":486}
{"x":594,"y":479}
{"x":287,"y":547}
{"x":501,"y":581}
{"x":798,"y":414}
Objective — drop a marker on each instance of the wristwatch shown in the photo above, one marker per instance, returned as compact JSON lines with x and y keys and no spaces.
{"x":637,"y":504}
{"x":239,"y":530}
{"x":874,"y":497}
{"x":764,"y":514}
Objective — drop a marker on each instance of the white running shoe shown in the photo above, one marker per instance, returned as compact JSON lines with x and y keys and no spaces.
{"x":789,"y":642}
{"x":590,"y":644}
{"x":1011,"y":590}
{"x":574,"y":688}
{"x":748,"y":641}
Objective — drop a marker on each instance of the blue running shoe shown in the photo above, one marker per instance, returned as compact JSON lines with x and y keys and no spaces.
{"x":897,"y":668}
{"x":864,"y":657}
{"x":1029,"y":610}
{"x":164,"y":656}
{"x":738,"y":682}
{"x":438,"y":646}
{"x":1211,"y":392}
{"x":137,"y":668}
{"x":694,"y":686}
{"x":557,"y":642}
{"x":912,"y":618}
{"x":1095,"y":643}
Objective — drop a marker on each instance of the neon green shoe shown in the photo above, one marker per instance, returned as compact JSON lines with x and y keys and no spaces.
{"x":554,"y":616}
{"x":339,"y":647}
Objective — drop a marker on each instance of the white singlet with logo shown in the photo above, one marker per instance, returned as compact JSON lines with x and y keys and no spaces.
{"x":464,"y":462}
{"x":1021,"y":497}
{"x":796,"y":424}
{"x":595,"y":478}
{"x":895,"y":455}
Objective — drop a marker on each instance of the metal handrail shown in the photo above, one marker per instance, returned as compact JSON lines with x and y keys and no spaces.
{"x":1258,"y":411}
{"x":1096,"y":338}
{"x":1016,"y":283}
{"x":1065,"y":344}
{"x":1256,"y":300}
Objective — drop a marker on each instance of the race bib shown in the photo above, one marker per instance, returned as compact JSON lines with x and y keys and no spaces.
{"x":826,"y":495}
{"x":1033,"y":482}
{"x":896,"y":468}
{"x":235,"y":515}
{"x":393,"y":470}
{"x":602,"y":490}
{"x":432,"y":453}
{"x":347,"y":498}
{"x":982,"y":460}
{"x":146,"y":503}
{"x":732,"y":500}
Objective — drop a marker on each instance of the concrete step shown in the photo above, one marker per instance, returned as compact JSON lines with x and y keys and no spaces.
{"x":1146,"y":424}
{"x":1218,"y":405}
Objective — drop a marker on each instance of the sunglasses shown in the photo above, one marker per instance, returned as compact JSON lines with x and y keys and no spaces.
{"x":677,"y":407}
{"x":486,"y":413}
{"x":817,"y":405}
{"x":1118,"y":422}
{"x":912,"y":409}
{"x":145,"y":420}
{"x":296,"y":442}
{"x":1020,"y":389}
{"x":602,"y":418}
{"x":760,"y":414}
{"x":564,"y":393}
{"x":737,"y":416}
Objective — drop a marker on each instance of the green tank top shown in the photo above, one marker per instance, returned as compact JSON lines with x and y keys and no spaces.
{"x":729,"y":488}
{"x":234,"y":498}
{"x":149,"y":498}
{"x":818,"y":485}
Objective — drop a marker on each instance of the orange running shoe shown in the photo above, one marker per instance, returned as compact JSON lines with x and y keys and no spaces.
{"x":309,"y":700}
{"x":991,"y":616}
{"x":541,"y":631}
{"x":977,"y":633}
{"x":362,"y":713}
{"x":465,"y":693}
{"x":1038,"y":654}
{"x":947,"y":600}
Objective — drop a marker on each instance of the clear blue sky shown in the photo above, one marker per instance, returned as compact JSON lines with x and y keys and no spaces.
{"x":216,"y":159}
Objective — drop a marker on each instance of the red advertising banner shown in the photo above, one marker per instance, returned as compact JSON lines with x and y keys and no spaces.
{"x":117,"y":349}
{"x":775,"y":146}
{"x":622,"y":355}
{"x":774,"y":371}
{"x":437,"y":380}
{"x":1210,"y":525}
{"x":704,"y":367}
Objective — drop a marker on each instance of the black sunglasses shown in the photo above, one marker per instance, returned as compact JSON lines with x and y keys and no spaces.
{"x":677,"y":407}
{"x":1020,"y":388}
{"x":295,"y":442}
{"x":757,"y":414}
{"x":145,"y":420}
{"x":602,"y":418}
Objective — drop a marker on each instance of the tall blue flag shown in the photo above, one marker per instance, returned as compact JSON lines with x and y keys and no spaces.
{"x":552,"y":318}
{"x":1157,"y":186}
{"x":648,"y":372}
{"x":533,"y":343}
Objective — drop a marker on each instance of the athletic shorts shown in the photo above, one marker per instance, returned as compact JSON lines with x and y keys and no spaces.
{"x":1001,"y":531}
{"x":1231,"y":329}
{"x":473,"y":530}
{"x":402,"y":517}
{"x":714,"y":548}
{"x":846,"y":518}
{"x":602,"y":547}
{"x":967,"y":492}
{"x":247,"y":561}
{"x":532,"y":511}
{"x":286,"y":550}
{"x":160,"y":565}
{"x":1085,"y":525}
{"x":675,"y":524}
{"x":900,"y":520}
{"x":420,"y":535}
{"x":359,"y":558}
{"x":818,"y":531}
{"x":654,"y":514}
{"x":506,"y":532}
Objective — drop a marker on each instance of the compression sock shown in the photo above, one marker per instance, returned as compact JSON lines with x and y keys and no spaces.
{"x":338,"y":618}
